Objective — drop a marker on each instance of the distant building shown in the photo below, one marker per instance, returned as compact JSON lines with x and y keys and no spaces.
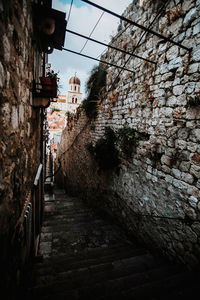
{"x":74,"y":96}
{"x":60,"y":104}
{"x":57,"y":112}
{"x":72,"y":100}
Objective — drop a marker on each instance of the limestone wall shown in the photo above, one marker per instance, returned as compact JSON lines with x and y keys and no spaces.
{"x":19,"y":129}
{"x":156,"y":194}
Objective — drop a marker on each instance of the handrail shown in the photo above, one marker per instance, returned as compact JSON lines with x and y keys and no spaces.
{"x":38,"y":174}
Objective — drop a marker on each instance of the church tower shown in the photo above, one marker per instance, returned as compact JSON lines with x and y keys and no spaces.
{"x":74,"y":95}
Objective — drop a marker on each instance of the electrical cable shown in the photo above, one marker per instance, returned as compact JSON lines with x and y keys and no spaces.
{"x":69,"y":11}
{"x":160,"y":12}
{"x":92,"y":31}
{"x":138,"y":43}
{"x":109,"y":46}
{"x":115,"y":38}
{"x":102,"y":61}
{"x":167,"y":39}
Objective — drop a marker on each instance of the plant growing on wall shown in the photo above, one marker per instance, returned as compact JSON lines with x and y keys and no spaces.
{"x":105,"y":151}
{"x":128,"y":139}
{"x":94,"y":86}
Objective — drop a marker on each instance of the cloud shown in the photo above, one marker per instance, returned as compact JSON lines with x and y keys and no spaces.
{"x":83,"y":19}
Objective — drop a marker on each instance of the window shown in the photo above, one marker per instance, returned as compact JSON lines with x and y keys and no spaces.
{"x":76,"y":100}
{"x":75,"y":88}
{"x":73,"y":100}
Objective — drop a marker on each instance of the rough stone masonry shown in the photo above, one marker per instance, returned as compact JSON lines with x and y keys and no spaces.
{"x":19,"y":129}
{"x":156,"y":194}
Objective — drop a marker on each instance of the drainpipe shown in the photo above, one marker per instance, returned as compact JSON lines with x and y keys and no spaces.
{"x":42,"y":147}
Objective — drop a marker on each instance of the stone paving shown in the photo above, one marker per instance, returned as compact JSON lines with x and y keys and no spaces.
{"x":83,"y":255}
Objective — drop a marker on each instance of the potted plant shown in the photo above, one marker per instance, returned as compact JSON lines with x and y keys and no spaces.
{"x":50,"y":84}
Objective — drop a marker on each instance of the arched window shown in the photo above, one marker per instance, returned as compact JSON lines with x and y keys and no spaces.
{"x":75,"y":88}
{"x":76,"y":100}
{"x":73,"y":100}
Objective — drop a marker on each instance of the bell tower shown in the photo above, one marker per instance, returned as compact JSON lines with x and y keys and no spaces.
{"x":74,"y":95}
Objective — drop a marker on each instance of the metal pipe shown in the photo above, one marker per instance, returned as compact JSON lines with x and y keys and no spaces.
{"x":38,"y":174}
{"x":109,"y":46}
{"x":102,"y":61}
{"x":138,"y":25}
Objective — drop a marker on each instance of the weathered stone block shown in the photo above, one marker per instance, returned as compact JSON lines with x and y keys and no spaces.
{"x":190,"y":16}
{"x":189,"y":87}
{"x":6,"y":48}
{"x":178,"y":90}
{"x":175,"y":63}
{"x":2,"y":76}
{"x":195,"y":170}
{"x":14,"y":118}
{"x":187,"y":177}
{"x":172,"y":53}
{"x":193,"y":68}
{"x":196,"y":55}
{"x":196,"y":29}
{"x":193,"y":201}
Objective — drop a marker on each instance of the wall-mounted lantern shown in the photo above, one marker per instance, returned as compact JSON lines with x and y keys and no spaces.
{"x":50,"y":28}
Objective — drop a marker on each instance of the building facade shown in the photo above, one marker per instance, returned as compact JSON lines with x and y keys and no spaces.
{"x":71,"y":101}
{"x":24,"y":48}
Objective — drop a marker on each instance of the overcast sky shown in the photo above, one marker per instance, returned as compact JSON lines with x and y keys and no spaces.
{"x":83,"y":18}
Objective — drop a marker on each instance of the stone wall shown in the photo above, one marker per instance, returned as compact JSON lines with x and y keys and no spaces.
{"x":19,"y":130}
{"x":156,"y":193}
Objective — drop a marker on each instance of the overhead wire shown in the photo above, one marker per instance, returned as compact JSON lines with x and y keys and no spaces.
{"x":69,"y":11}
{"x":108,"y":45}
{"x":99,"y":60}
{"x":92,"y":31}
{"x":115,"y":38}
{"x":151,"y":24}
{"x":140,"y":39}
{"x":147,"y":29}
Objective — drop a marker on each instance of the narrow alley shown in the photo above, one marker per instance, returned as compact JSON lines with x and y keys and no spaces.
{"x":99,"y":149}
{"x":83,"y":255}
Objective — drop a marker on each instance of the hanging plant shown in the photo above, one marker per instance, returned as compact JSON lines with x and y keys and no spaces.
{"x":50,"y":84}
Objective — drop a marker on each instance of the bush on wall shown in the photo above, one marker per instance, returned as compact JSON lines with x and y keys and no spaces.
{"x":105,"y":151}
{"x":128,"y":139}
{"x":94,"y":86}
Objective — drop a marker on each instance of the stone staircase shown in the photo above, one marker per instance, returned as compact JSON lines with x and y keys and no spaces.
{"x":85,"y":256}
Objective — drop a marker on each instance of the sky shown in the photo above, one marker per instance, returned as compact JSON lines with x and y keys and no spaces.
{"x":82,"y":19}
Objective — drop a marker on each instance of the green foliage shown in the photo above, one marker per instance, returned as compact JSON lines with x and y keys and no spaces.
{"x":105,"y":152}
{"x":129,"y":139}
{"x":55,"y":109}
{"x":53,"y":75}
{"x":94,"y":86}
{"x":68,"y":114}
{"x":90,"y":108}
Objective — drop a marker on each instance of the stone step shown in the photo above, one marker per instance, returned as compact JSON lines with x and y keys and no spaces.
{"x":88,"y":257}
{"x":60,"y":264}
{"x":92,"y":287}
{"x":163,"y":286}
{"x":105,"y":271}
